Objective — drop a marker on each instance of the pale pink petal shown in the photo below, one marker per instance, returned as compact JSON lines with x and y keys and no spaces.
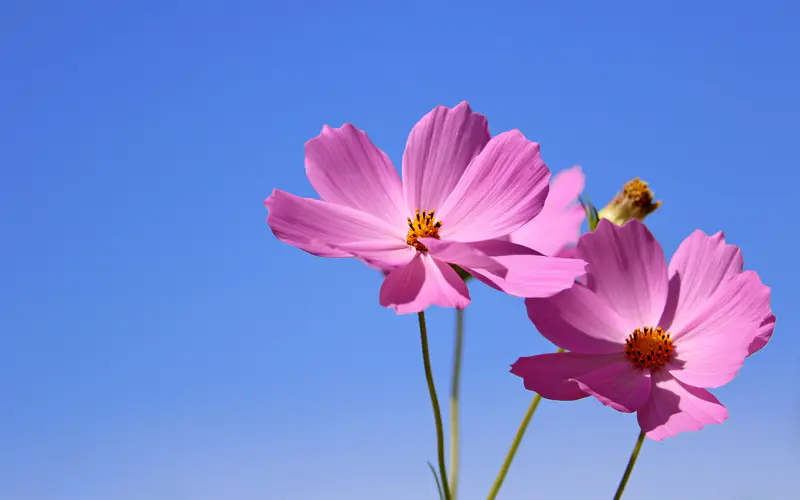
{"x":568,"y":252}
{"x":387,"y":261}
{"x":438,"y":151}
{"x":347,"y":169}
{"x":675,"y":407}
{"x":627,"y":269}
{"x":424,"y":282}
{"x":552,"y":375}
{"x":764,"y":334}
{"x":712,"y":346}
{"x":312,"y":246}
{"x":565,"y":188}
{"x":697,"y":268}
{"x":559,"y":223}
{"x":384,"y":255}
{"x":578,"y":321}
{"x":315,"y":225}
{"x":619,"y":385}
{"x":504,"y":187}
{"x":529,"y":274}
{"x":462,"y":254}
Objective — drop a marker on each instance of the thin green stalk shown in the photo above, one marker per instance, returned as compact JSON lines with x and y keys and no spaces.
{"x":437,"y":414}
{"x":514,"y":445}
{"x":498,"y":482}
{"x":629,"y":468}
{"x":454,"y":390}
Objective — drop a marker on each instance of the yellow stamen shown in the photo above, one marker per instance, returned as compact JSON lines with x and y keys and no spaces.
{"x":649,"y":347}
{"x":423,"y":225}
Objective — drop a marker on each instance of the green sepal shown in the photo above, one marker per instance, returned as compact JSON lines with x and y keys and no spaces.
{"x":462,"y":273}
{"x":591,"y":213}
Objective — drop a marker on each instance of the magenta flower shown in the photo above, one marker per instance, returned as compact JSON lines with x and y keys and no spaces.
{"x":462,"y":194}
{"x":646,"y":338}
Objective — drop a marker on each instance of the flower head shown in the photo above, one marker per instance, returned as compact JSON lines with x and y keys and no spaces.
{"x":634,"y":202}
{"x":462,"y":194}
{"x":648,"y":338}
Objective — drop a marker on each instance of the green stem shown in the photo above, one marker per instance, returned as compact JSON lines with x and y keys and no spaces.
{"x":514,"y":445}
{"x":437,"y":414}
{"x":629,"y":468}
{"x":454,"y":389}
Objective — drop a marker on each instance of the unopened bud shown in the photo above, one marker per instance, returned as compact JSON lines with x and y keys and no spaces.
{"x":634,"y":202}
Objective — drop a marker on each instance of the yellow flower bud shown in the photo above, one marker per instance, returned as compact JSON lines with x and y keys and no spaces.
{"x":634,"y":202}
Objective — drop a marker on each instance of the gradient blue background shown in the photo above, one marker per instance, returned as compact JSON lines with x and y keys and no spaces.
{"x":158,"y":343}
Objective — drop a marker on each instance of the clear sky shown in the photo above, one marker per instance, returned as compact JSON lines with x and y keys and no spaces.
{"x":158,"y":343}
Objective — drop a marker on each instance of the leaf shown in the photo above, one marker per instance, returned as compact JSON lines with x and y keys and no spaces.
{"x":592,"y":216}
{"x":438,"y":484}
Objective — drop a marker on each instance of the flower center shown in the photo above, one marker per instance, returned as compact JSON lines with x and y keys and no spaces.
{"x":423,"y":225}
{"x":649,"y":347}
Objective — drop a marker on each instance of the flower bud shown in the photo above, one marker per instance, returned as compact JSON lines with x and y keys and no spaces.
{"x":634,"y":202}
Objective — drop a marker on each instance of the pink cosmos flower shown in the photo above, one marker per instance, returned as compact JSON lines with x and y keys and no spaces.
{"x":461,"y":195}
{"x":648,"y":338}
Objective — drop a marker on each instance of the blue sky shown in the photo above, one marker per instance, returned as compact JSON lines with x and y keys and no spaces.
{"x":158,"y":343}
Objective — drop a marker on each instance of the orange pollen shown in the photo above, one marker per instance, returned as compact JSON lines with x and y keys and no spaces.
{"x":649,"y":347}
{"x":423,"y":225}
{"x":638,"y":193}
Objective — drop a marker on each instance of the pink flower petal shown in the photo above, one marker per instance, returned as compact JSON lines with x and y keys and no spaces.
{"x":383,"y":255}
{"x":712,"y":346}
{"x":628,"y":270}
{"x":696,"y":270}
{"x":675,"y":407}
{"x":764,"y":334}
{"x":462,"y":254}
{"x":552,"y":375}
{"x":503,"y":188}
{"x":568,"y":252}
{"x":579,"y":321}
{"x":332,"y":230}
{"x":425,"y":281}
{"x":619,"y":385}
{"x":347,"y":169}
{"x":559,"y":223}
{"x":700,"y":265}
{"x":565,"y":188}
{"x":387,"y":261}
{"x":438,"y":151}
{"x":529,"y":274}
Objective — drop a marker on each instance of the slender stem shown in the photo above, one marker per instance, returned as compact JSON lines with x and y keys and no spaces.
{"x":437,"y":414}
{"x":629,"y":468}
{"x":454,"y":389}
{"x":514,"y":445}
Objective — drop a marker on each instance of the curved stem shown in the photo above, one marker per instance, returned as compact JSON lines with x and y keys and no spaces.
{"x":437,"y":414}
{"x":454,"y":390}
{"x":514,"y":445}
{"x":513,"y":451}
{"x":629,"y":468}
